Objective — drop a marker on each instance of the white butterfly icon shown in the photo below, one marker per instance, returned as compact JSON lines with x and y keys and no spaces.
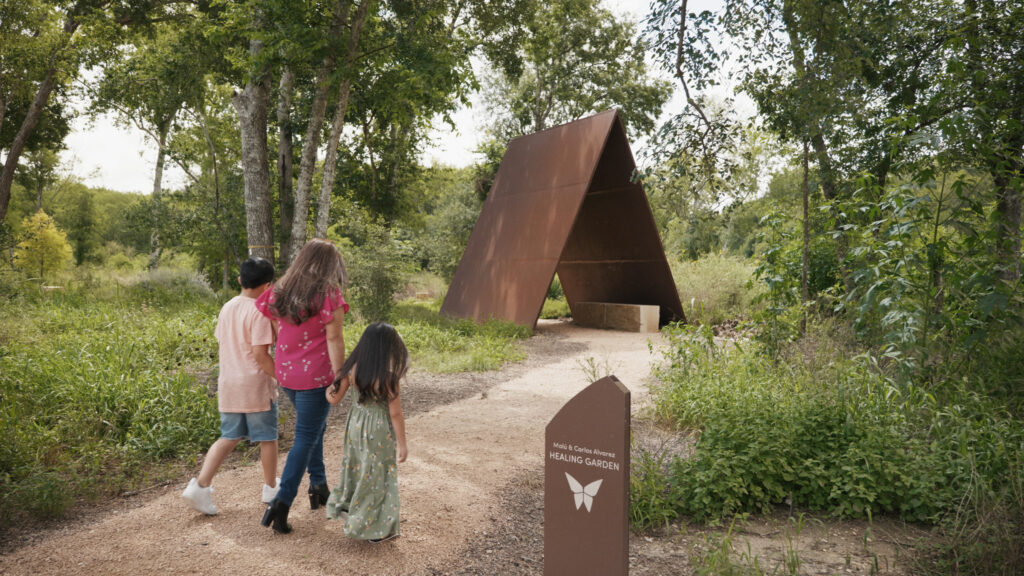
{"x":583,"y":494}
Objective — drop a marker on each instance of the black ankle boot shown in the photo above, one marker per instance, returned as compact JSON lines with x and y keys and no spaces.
{"x":276,"y":516}
{"x":318,"y":496}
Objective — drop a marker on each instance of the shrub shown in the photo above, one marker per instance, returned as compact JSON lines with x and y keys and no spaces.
{"x":555,"y":289}
{"x":43,"y":248}
{"x":836,"y":437}
{"x":377,"y":272}
{"x":169,"y":286}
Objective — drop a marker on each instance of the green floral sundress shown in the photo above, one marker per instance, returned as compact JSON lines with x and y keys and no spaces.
{"x":367,"y":497}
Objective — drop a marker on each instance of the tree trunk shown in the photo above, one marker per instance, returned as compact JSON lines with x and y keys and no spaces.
{"x":285,"y":171}
{"x":225,"y":275}
{"x":1008,"y":221}
{"x":158,"y":180}
{"x":826,"y":171}
{"x":538,"y":116}
{"x":373,"y":162}
{"x":158,"y":174}
{"x":28,"y":125}
{"x":251,"y":105}
{"x":311,"y":141}
{"x":21,"y":138}
{"x":3,"y":111}
{"x":330,"y":162}
{"x":398,"y":140}
{"x":804,"y":290}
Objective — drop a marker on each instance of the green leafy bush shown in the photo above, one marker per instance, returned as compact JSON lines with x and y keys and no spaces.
{"x":378,"y":269}
{"x":835,"y":437}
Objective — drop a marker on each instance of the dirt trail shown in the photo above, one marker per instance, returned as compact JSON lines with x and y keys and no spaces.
{"x":461,"y":456}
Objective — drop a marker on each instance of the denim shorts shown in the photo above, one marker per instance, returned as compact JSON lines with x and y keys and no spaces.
{"x":256,"y":426}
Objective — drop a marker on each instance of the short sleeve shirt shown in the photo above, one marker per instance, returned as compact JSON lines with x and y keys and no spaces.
{"x":301,"y":360}
{"x":242,"y":386}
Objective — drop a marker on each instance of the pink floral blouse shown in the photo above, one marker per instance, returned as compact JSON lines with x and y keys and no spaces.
{"x":301,"y":361}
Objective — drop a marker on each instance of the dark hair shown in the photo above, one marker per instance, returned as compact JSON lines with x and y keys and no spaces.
{"x":256,"y":272}
{"x":317,"y":271}
{"x":380,"y":360}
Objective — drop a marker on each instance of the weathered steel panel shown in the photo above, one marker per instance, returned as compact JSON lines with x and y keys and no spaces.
{"x":562,"y":199}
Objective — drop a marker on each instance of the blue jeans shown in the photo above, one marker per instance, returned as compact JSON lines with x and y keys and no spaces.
{"x":307,"y":451}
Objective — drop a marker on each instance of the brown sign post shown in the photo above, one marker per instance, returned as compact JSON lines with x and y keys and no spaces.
{"x":586,"y":483}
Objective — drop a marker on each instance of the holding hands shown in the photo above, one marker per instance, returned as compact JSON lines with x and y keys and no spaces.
{"x":336,"y":391}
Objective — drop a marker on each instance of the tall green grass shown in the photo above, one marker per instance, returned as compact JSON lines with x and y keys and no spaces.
{"x":99,"y":381}
{"x":439,"y":344}
{"x":95,"y":387}
{"x":833,"y":436}
{"x":715,"y":288}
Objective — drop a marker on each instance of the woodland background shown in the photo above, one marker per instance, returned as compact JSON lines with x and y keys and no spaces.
{"x":860,"y":230}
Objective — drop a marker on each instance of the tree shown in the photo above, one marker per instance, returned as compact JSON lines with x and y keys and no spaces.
{"x":43,"y":246}
{"x":213,"y":206}
{"x":82,"y":226}
{"x":417,"y":68}
{"x":576,"y":58}
{"x":38,"y":173}
{"x":983,"y":83}
{"x":61,"y":49}
{"x":156,"y":76}
{"x":30,"y":40}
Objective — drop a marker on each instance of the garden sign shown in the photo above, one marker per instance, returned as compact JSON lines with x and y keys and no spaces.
{"x":586,"y":483}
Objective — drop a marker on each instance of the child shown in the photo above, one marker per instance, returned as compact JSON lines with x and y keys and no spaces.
{"x":308,"y":309}
{"x":367,"y":498}
{"x":246,"y":391}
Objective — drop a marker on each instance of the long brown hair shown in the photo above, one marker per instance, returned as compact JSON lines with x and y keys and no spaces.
{"x":317,"y":271}
{"x":380,"y":360}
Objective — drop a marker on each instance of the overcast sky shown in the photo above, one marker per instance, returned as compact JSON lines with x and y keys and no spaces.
{"x":121,"y":158}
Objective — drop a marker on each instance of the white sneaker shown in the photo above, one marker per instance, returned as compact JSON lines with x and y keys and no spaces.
{"x":200,"y":498}
{"x":270,"y":493}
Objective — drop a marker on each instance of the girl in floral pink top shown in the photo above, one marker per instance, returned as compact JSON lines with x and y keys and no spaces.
{"x":308,"y":309}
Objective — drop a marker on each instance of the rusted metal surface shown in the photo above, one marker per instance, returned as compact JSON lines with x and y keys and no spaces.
{"x":562,"y":200}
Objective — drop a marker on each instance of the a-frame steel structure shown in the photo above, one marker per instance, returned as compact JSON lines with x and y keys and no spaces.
{"x":564,"y":200}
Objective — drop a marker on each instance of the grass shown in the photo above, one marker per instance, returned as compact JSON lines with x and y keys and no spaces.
{"x":555,"y":308}
{"x":832,"y":434}
{"x":104,"y":383}
{"x":94,"y":388}
{"x":441,"y":345}
{"x":715,"y":288}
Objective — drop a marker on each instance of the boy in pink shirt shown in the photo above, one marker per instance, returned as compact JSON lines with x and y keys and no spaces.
{"x":246,"y":391}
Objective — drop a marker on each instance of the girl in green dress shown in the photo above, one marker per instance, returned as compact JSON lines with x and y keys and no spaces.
{"x":367,"y":498}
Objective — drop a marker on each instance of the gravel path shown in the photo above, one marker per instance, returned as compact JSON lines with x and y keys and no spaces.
{"x":470,"y":438}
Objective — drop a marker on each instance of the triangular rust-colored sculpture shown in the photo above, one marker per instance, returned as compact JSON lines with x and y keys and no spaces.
{"x":563,"y":200}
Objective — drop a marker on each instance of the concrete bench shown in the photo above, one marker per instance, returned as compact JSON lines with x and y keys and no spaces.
{"x":625,"y":317}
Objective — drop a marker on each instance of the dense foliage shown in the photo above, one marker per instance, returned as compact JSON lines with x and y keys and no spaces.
{"x":818,"y":430}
